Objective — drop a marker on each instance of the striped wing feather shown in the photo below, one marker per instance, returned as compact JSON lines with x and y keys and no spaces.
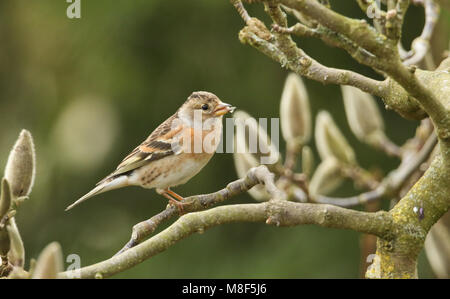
{"x":157,"y":146}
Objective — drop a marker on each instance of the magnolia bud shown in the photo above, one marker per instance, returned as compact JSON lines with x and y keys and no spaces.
{"x":252,"y":138}
{"x":363,"y":115}
{"x":307,"y":160}
{"x":20,"y":168}
{"x":49,"y":263}
{"x":16,"y":254}
{"x":5,"y":198}
{"x":330,"y":141}
{"x":259,"y":193}
{"x":295,"y":114}
{"x":243,"y":163}
{"x":326,"y":178}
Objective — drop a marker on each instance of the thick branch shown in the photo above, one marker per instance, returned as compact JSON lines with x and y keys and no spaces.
{"x":363,"y":35}
{"x":357,"y":31}
{"x":310,"y":68}
{"x":255,"y":176}
{"x":278,"y":212}
{"x":334,"y":40}
{"x":288,"y":55}
{"x":413,"y":217}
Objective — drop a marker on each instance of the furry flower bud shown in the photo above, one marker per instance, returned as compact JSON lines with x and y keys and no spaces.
{"x":326,"y":178}
{"x":363,"y":115}
{"x":49,"y":263}
{"x":307,"y":160}
{"x":330,"y":141}
{"x":16,"y":254}
{"x":20,"y":168}
{"x":295,"y":114}
{"x":5,"y":198}
{"x":243,"y":162}
{"x":252,"y":138}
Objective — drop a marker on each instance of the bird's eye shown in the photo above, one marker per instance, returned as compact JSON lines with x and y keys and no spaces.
{"x":205,"y":107}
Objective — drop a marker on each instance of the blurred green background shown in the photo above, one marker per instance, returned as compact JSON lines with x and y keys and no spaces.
{"x":91,"y":89}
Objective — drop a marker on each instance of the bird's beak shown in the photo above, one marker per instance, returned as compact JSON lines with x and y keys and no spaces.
{"x":223,"y":108}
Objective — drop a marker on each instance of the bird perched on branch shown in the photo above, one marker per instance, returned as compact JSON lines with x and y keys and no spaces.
{"x":174,"y":152}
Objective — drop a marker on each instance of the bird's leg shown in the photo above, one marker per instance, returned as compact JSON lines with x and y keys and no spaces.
{"x":174,"y":199}
{"x":180,"y":203}
{"x":174,"y":202}
{"x":174,"y":195}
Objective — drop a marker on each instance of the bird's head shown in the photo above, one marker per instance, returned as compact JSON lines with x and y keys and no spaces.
{"x":205,"y":103}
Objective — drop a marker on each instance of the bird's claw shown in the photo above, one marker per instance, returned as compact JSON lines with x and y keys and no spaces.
{"x":179,"y":205}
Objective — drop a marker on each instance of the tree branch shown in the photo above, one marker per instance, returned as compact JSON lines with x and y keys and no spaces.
{"x":255,"y":176}
{"x":401,"y":232}
{"x":413,"y":217}
{"x":392,"y":182}
{"x":358,"y":31}
{"x":275,"y":211}
{"x":310,"y":68}
{"x":363,"y":35}
{"x":421,"y":44}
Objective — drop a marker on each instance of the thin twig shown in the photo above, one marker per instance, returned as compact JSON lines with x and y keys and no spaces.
{"x":391,"y":184}
{"x":421,"y":44}
{"x":408,"y":166}
{"x":241,"y":10}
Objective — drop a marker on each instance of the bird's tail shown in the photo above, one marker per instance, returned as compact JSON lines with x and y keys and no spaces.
{"x":111,"y":184}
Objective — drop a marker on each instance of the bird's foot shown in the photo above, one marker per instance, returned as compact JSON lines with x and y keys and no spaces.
{"x":179,"y":205}
{"x":174,"y":200}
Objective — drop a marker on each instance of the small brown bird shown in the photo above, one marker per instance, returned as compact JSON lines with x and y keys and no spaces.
{"x":174,"y":152}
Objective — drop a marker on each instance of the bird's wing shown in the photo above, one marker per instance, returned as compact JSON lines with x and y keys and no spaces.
{"x":157,"y":146}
